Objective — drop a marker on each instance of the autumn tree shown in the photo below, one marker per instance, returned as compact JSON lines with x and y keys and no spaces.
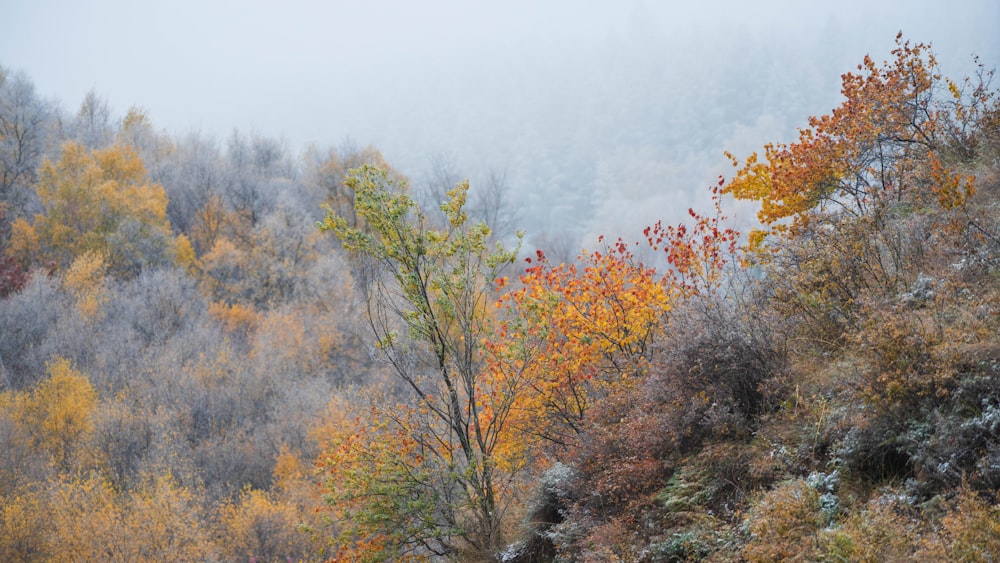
{"x":161,"y":520}
{"x":574,"y":334}
{"x":426,"y":301}
{"x":12,"y":274}
{"x":97,"y":201}
{"x":57,"y":416}
{"x":23,"y":520}
{"x":570,"y":334}
{"x":263,"y":267}
{"x":156,"y":149}
{"x":263,"y":526}
{"x":866,"y":153}
{"x":858,"y":198}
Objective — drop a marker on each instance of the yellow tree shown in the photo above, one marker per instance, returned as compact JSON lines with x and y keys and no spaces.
{"x":429,"y":481}
{"x":58,"y":415}
{"x":158,"y":521}
{"x":391,"y":486}
{"x":99,"y":201}
{"x":23,"y":520}
{"x":84,"y":280}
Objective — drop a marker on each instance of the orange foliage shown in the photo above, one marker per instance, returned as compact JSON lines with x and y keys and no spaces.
{"x":863,"y":153}
{"x":574,"y":333}
{"x":235,"y":317}
{"x":970,"y":531}
{"x":263,"y":526}
{"x":376,"y":480}
{"x":159,"y":522}
{"x":785,"y":524}
{"x":570,"y":333}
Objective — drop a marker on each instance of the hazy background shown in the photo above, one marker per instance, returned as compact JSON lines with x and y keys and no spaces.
{"x":605,"y":116}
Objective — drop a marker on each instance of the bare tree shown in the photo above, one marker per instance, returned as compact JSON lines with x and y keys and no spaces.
{"x":93,"y":127}
{"x":24,"y":121}
{"x":193,"y":174}
{"x":492,"y":205}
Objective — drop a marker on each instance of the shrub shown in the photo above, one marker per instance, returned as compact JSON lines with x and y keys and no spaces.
{"x":970,"y":531}
{"x":784,"y":524}
{"x":886,"y":530}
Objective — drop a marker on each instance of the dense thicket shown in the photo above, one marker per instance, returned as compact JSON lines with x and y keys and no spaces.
{"x":193,"y":368}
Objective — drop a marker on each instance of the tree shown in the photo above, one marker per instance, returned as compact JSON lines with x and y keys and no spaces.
{"x":159,"y":521}
{"x":192,"y":175}
{"x":85,"y":281}
{"x":489,"y":200}
{"x":157,"y":150}
{"x":568,"y":335}
{"x":263,"y":526}
{"x":389,"y":501}
{"x":265,"y":266}
{"x":92,"y":126}
{"x":325,"y":175}
{"x":28,"y":319}
{"x":572,"y":334}
{"x":492,"y":204}
{"x":97,"y":201}
{"x":426,"y":300}
{"x":23,"y":129}
{"x":866,"y":152}
{"x":12,"y":274}
{"x":58,"y":415}
{"x":255,"y":167}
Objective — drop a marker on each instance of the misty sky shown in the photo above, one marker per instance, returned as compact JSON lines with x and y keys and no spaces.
{"x":603,"y":114}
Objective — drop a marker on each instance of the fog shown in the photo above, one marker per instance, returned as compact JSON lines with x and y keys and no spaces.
{"x":605,"y":116}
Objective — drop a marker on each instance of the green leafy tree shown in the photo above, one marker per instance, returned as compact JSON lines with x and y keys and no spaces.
{"x":427,"y":289}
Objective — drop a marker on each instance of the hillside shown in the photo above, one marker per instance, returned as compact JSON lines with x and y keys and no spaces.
{"x":224,"y":353}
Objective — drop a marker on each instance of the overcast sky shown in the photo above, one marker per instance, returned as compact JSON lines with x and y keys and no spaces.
{"x":570,"y":97}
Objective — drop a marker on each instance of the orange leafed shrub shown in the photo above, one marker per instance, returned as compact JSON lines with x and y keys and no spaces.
{"x":970,"y":531}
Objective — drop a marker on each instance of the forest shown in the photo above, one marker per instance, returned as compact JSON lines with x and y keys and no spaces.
{"x":219,"y":351}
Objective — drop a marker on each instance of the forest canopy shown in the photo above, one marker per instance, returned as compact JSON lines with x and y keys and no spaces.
{"x":221,"y":351}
